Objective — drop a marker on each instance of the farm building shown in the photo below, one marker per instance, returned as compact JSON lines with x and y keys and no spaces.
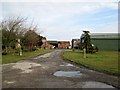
{"x":60,"y":44}
{"x":75,"y":43}
{"x":104,"y":41}
{"x":54,"y":43}
{"x":63,"y":44}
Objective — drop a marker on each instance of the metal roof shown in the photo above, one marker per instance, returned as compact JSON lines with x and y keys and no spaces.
{"x":104,"y":35}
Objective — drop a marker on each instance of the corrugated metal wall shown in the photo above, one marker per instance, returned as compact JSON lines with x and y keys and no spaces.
{"x":106,"y":43}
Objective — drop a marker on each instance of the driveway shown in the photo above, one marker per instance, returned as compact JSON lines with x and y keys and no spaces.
{"x":51,"y":71}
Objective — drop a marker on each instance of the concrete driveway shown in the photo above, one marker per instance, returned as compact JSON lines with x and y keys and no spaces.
{"x":51,"y":71}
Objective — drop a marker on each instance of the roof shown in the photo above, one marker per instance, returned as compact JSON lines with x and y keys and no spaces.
{"x":53,"y":42}
{"x":105,"y":35}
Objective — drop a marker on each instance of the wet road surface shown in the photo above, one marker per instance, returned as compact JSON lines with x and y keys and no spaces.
{"x":51,"y":71}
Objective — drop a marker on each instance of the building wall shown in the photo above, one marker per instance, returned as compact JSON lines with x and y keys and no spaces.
{"x":63,"y":44}
{"x":75,"y":43}
{"x":45,"y":44}
{"x":54,"y":43}
{"x":106,"y":43}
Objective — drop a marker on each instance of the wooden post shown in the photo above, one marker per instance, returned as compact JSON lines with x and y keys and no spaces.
{"x":84,"y":53}
{"x":20,"y":52}
{"x":73,"y":49}
{"x":19,"y":47}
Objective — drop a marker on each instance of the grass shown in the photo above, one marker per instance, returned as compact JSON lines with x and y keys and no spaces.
{"x":12,"y":58}
{"x":103,"y":61}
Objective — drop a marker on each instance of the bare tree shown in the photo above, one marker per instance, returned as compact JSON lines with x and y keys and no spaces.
{"x":17,"y":28}
{"x":12,"y":28}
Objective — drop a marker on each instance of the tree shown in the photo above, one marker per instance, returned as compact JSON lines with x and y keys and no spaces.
{"x":11,"y":28}
{"x":40,"y":40}
{"x":86,"y":41}
{"x":16,"y":28}
{"x":30,"y":39}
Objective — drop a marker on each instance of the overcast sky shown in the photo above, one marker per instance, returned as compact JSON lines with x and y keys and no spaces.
{"x":64,"y":20}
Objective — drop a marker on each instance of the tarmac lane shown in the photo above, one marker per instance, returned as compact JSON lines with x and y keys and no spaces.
{"x":52,"y":71}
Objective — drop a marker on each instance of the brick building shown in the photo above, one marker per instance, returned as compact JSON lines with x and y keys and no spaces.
{"x":63,"y":44}
{"x":49,"y":44}
{"x":46,"y":44}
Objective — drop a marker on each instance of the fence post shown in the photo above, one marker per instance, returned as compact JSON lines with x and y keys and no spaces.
{"x":84,"y":53}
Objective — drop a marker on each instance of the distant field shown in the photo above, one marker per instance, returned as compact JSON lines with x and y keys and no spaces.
{"x":104,"y":61}
{"x":11,"y":58}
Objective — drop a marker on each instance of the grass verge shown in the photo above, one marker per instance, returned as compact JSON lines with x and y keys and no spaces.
{"x":12,"y":58}
{"x":103,"y":61}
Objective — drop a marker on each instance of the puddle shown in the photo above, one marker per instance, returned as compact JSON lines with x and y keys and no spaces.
{"x":93,"y":84}
{"x":67,"y":74}
{"x":67,"y":65}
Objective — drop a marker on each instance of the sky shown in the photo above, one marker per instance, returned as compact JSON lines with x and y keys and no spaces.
{"x":65,"y":19}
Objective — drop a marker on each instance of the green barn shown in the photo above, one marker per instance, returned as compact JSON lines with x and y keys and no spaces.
{"x":106,"y":41}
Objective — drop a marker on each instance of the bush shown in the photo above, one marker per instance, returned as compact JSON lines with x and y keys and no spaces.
{"x":26,"y":50}
{"x":4,"y":53}
{"x":119,"y":50}
{"x":34,"y":48}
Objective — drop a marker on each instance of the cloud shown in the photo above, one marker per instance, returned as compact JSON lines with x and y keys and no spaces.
{"x":59,"y":0}
{"x":107,"y":28}
{"x":1,"y":16}
{"x":69,"y":33}
{"x":65,"y":20}
{"x":54,"y":10}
